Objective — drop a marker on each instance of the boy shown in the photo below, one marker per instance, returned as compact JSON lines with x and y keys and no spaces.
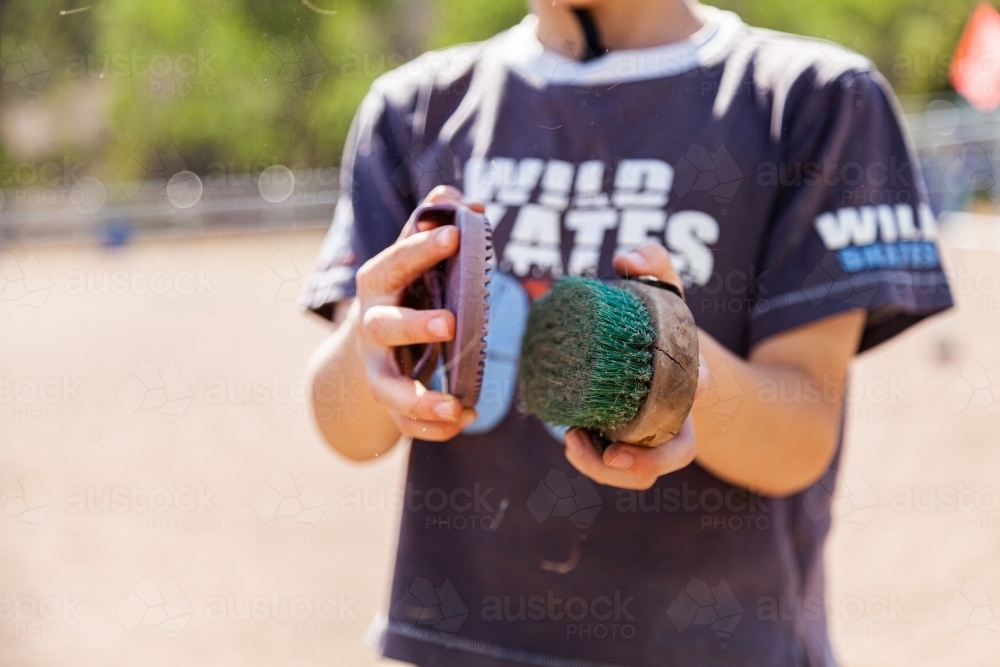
{"x":768,"y":174}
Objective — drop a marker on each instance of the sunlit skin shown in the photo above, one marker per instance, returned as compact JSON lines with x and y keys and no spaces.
{"x":623,"y":24}
{"x":769,"y":447}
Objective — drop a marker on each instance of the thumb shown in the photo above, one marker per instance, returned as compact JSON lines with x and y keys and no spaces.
{"x":649,"y":259}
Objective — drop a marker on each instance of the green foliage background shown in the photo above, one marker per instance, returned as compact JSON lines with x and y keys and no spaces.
{"x":231,"y":115}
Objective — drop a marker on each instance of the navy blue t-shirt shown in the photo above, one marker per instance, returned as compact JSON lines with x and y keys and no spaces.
{"x":775,"y":171}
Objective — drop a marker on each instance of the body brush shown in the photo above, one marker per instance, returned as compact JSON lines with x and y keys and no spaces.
{"x":619,"y":359}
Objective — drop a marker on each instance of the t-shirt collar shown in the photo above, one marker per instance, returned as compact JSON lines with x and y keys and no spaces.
{"x":522,"y":51}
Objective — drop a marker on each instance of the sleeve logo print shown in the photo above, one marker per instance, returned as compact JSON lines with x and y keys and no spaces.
{"x":880,"y":237}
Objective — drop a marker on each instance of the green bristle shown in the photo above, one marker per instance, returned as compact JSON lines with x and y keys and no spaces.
{"x":586,"y":356}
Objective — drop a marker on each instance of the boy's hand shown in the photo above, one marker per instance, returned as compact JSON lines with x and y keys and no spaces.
{"x":629,"y":466}
{"x":382,"y":325}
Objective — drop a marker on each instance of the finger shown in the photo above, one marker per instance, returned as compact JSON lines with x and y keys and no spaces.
{"x":411,"y":399}
{"x":431,"y":430}
{"x":390,"y":271}
{"x":582,"y":454}
{"x":705,"y":379}
{"x":425,"y":225}
{"x":649,"y":259}
{"x":443,"y":194}
{"x":448,"y":194}
{"x":672,"y":455}
{"x":393,"y":326}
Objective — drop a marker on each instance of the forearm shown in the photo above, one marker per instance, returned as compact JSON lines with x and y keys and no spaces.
{"x":769,"y":423}
{"x":783,"y":431}
{"x":348,"y":417}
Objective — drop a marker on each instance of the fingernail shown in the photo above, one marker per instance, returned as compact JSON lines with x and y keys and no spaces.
{"x":438,"y":326}
{"x":634,"y":256}
{"x":449,"y":410}
{"x":445,"y":236}
{"x":574,"y":443}
{"x":468,"y":416}
{"x":622,"y":460}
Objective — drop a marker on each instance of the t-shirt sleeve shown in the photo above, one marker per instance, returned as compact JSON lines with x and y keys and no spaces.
{"x":373,"y":206}
{"x":852,"y":228}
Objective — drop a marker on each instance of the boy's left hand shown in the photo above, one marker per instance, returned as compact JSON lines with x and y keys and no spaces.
{"x":629,"y":466}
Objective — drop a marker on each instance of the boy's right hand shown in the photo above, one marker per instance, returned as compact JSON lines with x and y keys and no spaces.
{"x":382,"y":324}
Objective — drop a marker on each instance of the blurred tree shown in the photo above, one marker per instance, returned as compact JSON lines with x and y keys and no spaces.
{"x":911,"y":41}
{"x":237,"y":85}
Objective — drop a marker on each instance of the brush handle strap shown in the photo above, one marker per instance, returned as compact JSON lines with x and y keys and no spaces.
{"x":653,"y":282}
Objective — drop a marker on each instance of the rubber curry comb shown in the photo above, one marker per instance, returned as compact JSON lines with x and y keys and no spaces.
{"x":459,"y":284}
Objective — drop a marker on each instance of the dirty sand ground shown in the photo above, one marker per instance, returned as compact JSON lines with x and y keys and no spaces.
{"x":147,"y":398}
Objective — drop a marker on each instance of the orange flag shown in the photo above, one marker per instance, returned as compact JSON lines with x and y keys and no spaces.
{"x":975,"y":67}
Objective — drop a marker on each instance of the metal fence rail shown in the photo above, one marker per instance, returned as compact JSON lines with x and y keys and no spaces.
{"x":959,"y":152}
{"x":957,"y":146}
{"x":91,"y":210}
